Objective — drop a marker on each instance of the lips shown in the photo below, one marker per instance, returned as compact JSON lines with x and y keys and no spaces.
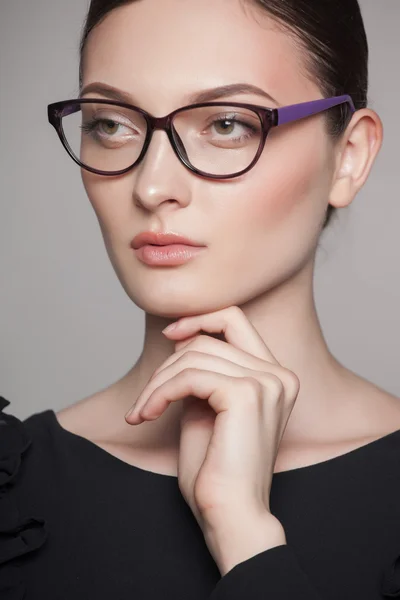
{"x":161,"y":239}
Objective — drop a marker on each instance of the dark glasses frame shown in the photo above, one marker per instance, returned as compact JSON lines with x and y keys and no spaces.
{"x":269,"y":117}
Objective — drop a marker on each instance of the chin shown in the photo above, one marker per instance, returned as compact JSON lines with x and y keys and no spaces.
{"x":171,"y":307}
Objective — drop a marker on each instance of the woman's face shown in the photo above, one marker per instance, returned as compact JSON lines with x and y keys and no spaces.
{"x":260,"y":229}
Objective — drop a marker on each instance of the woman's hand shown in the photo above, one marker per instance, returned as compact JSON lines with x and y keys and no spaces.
{"x":237,"y":401}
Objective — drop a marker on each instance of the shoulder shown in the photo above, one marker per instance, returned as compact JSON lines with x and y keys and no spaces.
{"x":372,"y":412}
{"x":20,"y":531}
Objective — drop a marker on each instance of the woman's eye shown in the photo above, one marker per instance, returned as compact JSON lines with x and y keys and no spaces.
{"x":110,"y":127}
{"x":105,"y":126}
{"x":226,"y":127}
{"x":108,"y":131}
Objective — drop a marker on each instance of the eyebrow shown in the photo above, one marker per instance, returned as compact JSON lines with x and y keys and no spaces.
{"x":206,"y":95}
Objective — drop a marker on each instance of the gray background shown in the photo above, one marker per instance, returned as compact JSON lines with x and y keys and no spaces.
{"x":67,"y":328}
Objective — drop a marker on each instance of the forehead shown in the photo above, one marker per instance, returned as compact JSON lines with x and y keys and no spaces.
{"x":161,"y":51}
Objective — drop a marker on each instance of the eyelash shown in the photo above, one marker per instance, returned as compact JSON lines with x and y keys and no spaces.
{"x":233,"y":119}
{"x":90,"y":126}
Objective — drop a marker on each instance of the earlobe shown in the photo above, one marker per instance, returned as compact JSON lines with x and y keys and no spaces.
{"x":356,"y":154}
{"x":341,"y":192}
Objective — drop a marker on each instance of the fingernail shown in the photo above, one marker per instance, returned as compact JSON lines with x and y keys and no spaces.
{"x":128,"y":414}
{"x":170,"y":327}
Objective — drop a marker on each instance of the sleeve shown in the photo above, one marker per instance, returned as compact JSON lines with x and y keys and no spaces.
{"x":18,"y":535}
{"x":277,"y":575}
{"x":271,"y":575}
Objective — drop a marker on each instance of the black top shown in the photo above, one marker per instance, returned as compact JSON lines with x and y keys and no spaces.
{"x":77,"y":523}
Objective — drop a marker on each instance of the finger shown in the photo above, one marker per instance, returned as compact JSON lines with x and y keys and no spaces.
{"x":182,"y":343}
{"x":235,"y":326}
{"x":150,"y":404}
{"x":208,"y":345}
{"x":194,"y":382}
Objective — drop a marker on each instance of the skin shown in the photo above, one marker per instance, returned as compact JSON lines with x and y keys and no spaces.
{"x":261,"y":229}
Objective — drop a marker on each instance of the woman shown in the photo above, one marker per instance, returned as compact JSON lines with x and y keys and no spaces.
{"x":254,"y":464}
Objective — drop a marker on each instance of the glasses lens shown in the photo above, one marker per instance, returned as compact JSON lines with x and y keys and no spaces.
{"x":104,"y":136}
{"x":219,"y":140}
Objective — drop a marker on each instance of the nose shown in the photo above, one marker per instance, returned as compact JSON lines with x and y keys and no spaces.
{"x":160,"y":176}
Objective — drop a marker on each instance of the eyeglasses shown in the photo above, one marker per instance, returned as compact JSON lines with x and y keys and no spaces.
{"x":215,"y":140}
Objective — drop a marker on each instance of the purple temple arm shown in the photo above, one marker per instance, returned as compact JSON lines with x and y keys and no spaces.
{"x":286,"y":114}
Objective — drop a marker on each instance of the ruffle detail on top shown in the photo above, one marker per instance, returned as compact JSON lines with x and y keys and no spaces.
{"x":391,"y":579}
{"x":18,"y":536}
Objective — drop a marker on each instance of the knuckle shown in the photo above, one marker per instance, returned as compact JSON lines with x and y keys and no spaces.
{"x":286,"y":383}
{"x":274,"y":385}
{"x":293,"y":384}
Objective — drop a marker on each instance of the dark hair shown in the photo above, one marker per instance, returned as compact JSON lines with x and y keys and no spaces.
{"x":330,"y":34}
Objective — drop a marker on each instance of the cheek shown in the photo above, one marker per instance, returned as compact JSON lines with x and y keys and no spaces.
{"x":289,"y":191}
{"x":284,"y":192}
{"x":111,"y":214}
{"x":277,"y":212}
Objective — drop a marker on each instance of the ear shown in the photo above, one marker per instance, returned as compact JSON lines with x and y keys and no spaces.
{"x":356,"y":153}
